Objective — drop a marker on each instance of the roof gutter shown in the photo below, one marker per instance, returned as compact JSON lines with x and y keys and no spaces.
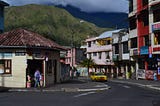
{"x":28,"y":47}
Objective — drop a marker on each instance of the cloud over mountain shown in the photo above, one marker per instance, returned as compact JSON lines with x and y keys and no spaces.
{"x":83,"y":5}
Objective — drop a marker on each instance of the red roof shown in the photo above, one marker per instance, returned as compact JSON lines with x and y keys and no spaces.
{"x":25,"y":38}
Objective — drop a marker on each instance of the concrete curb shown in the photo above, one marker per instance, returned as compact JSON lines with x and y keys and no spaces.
{"x":138,"y":84}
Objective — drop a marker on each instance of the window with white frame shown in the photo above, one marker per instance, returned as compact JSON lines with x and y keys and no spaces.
{"x":5,"y":66}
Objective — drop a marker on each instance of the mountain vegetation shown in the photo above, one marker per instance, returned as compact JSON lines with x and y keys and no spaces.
{"x":51,"y":22}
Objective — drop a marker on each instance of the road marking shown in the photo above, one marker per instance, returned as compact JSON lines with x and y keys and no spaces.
{"x":125,"y":86}
{"x":98,"y":86}
{"x":84,"y":94}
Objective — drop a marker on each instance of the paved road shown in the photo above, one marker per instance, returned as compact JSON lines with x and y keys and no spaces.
{"x":118,"y":95}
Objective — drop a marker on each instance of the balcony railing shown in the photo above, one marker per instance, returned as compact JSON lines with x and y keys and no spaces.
{"x":98,"y":48}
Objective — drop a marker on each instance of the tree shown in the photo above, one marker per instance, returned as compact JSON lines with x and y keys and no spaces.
{"x":89,"y":63}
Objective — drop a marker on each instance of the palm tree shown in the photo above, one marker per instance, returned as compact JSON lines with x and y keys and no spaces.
{"x":89,"y":63}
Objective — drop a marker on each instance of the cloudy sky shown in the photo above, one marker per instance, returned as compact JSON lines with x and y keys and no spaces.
{"x":84,"y":5}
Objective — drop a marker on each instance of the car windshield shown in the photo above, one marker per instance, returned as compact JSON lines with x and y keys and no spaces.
{"x":99,"y":74}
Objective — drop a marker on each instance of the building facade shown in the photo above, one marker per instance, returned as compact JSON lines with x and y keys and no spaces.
{"x":2,"y":5}
{"x":104,"y":50}
{"x":143,"y":37}
{"x":154,"y":20}
{"x":121,"y":54}
{"x":21,"y":53}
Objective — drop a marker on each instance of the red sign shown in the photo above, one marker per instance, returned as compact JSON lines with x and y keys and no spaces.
{"x":156,"y":49}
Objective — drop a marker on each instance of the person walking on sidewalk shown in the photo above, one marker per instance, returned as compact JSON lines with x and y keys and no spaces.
{"x":37,"y":77}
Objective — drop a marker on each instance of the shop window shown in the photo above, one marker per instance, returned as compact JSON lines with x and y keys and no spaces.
{"x":5,"y":66}
{"x":156,"y":15}
{"x":141,"y":64}
{"x":157,"y":38}
{"x":125,"y":47}
{"x":152,"y":64}
{"x":134,"y":42}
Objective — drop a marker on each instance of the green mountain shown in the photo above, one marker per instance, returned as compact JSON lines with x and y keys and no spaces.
{"x":52,"y":22}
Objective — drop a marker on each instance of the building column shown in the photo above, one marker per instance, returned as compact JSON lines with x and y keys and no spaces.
{"x":127,"y":72}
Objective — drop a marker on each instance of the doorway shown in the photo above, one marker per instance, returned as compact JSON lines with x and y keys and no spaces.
{"x":32,"y":65}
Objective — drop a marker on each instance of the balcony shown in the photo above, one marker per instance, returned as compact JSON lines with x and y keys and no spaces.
{"x":154,"y":2}
{"x":98,"y":48}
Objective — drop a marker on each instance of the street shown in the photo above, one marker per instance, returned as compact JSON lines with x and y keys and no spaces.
{"x":118,"y":95}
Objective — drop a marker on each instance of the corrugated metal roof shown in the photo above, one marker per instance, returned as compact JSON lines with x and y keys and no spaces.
{"x":25,"y":38}
{"x":108,"y":34}
{"x":2,"y":3}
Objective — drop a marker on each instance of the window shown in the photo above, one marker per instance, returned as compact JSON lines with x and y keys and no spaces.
{"x":5,"y":55}
{"x":130,"y":6}
{"x":94,"y":54}
{"x":132,"y":23}
{"x":145,"y":18}
{"x":20,"y":54}
{"x":94,"y":42}
{"x":108,"y":42}
{"x":89,"y":44}
{"x":152,"y":64}
{"x":141,"y":64}
{"x":157,"y":38}
{"x":146,"y":40}
{"x":156,"y":15}
{"x":49,"y":66}
{"x":89,"y":55}
{"x":144,"y":2}
{"x":125,"y":47}
{"x":116,"y":48}
{"x":5,"y":66}
{"x":99,"y":55}
{"x":134,"y":42}
{"x":107,"y":55}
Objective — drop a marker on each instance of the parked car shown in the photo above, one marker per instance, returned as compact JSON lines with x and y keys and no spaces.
{"x":98,"y":76}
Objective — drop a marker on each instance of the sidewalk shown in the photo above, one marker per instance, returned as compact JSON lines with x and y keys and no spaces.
{"x":155,"y":85}
{"x":82,"y":84}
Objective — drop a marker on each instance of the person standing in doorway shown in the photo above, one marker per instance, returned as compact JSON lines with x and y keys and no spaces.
{"x":37,"y":77}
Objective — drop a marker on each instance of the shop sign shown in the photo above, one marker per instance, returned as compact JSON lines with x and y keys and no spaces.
{"x":156,"y":27}
{"x":144,"y":50}
{"x":156,"y":49}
